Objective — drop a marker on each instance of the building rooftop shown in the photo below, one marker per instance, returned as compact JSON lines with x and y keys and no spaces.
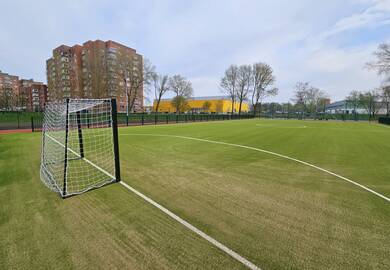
{"x":202,"y":98}
{"x":8,"y":75}
{"x":336,"y":104}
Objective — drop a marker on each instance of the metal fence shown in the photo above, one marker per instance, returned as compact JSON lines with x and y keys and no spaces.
{"x":33,"y":121}
{"x":384,"y":120}
{"x":322,"y":116}
{"x":21,"y":120}
{"x":171,"y":118}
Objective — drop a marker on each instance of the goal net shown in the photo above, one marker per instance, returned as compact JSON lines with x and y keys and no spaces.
{"x":79,"y":145}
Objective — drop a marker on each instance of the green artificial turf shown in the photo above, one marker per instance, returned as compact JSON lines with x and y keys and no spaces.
{"x":277,"y":213}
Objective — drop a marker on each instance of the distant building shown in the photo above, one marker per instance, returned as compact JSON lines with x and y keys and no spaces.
{"x":97,"y":69}
{"x":33,"y":94}
{"x":21,"y":95}
{"x":216,"y":104}
{"x":326,"y":101}
{"x":9,"y":89}
{"x":344,"y":107}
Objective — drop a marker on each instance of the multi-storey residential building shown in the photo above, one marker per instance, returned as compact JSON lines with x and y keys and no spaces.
{"x":33,"y":95}
{"x":63,"y":72}
{"x":21,"y":95}
{"x":9,"y":89}
{"x":97,"y":69}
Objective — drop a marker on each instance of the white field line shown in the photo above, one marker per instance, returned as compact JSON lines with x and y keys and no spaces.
{"x":278,"y":126}
{"x":172,"y":215}
{"x":271,"y":153}
{"x":194,"y":229}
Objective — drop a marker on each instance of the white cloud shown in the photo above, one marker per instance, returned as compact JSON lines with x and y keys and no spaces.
{"x":376,"y":14}
{"x":336,"y":60}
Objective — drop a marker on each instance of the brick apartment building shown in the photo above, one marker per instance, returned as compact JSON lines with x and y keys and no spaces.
{"x":97,"y":69}
{"x":9,"y":88}
{"x":34,"y":95}
{"x":21,"y":95}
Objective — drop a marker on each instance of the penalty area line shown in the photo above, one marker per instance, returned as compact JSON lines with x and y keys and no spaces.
{"x":271,"y":153}
{"x":217,"y":244}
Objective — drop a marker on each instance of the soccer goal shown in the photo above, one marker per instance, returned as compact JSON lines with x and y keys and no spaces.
{"x":79,"y":145}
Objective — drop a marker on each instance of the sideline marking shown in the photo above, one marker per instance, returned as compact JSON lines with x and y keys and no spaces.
{"x":267,"y":152}
{"x":194,"y":229}
{"x":172,"y":215}
{"x":278,"y":126}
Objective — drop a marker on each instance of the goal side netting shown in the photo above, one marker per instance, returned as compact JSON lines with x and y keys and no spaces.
{"x":79,"y":145}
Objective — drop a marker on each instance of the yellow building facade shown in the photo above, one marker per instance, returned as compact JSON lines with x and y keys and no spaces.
{"x":204,"y":104}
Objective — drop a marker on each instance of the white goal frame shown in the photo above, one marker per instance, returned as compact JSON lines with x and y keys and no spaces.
{"x":80,"y":148}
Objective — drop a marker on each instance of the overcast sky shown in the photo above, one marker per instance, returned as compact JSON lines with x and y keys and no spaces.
{"x":324,"y":42}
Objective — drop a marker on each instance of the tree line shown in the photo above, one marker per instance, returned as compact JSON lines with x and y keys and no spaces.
{"x":248,"y":82}
{"x":255,"y":83}
{"x":177,"y":84}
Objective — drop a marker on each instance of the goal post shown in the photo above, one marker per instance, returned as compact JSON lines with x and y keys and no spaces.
{"x":80,"y":148}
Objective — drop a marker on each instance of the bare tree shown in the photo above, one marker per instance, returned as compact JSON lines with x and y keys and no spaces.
{"x":228,"y":84}
{"x":382,"y":62}
{"x":370,"y":100}
{"x":181,"y":87}
{"x":315,"y":99}
{"x":149,"y":73}
{"x":7,"y":98}
{"x":206,"y":106}
{"x":386,"y":98}
{"x":244,"y":82}
{"x":160,"y":83}
{"x":137,"y":77}
{"x":180,"y":103}
{"x":353,"y":99}
{"x":263,"y":80}
{"x":382,"y":66}
{"x":300,"y":96}
{"x":309,"y":99}
{"x":286,"y":108}
{"x":219,"y":106}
